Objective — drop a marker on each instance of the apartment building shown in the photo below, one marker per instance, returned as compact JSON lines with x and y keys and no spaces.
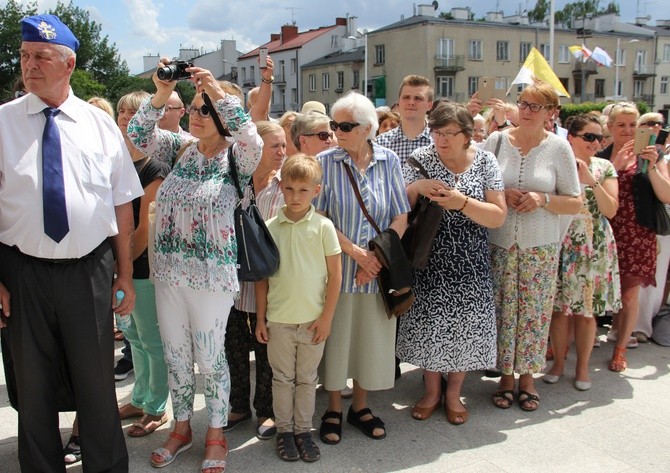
{"x":455,"y":53}
{"x":290,"y":50}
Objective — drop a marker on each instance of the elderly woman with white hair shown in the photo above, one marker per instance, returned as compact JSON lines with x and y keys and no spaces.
{"x":362,"y":340}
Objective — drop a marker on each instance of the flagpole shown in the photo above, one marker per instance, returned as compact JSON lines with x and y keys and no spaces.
{"x":551,"y":34}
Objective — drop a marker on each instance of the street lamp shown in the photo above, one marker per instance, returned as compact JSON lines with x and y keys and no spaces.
{"x":618,"y":63}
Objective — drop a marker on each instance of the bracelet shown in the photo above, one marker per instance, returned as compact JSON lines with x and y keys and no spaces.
{"x":546,"y":200}
{"x":464,"y":203}
{"x":268,"y":81}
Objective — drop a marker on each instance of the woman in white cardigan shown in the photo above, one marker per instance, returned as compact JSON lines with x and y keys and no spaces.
{"x":541,"y":183}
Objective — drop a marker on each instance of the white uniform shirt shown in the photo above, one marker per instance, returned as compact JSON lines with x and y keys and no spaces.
{"x":97,"y":168}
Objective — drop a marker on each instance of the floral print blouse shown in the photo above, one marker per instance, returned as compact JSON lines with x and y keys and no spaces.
{"x":195,"y":244}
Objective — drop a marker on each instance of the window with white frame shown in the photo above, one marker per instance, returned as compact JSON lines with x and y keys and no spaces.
{"x":563,"y":54}
{"x":294,"y":66}
{"x":599,"y":88}
{"x":664,"y":85}
{"x":501,"y":83}
{"x":618,"y":87}
{"x":325,"y":81}
{"x":475,"y":50}
{"x":641,"y":61}
{"x":638,"y":88}
{"x":252,"y":74}
{"x":666,"y":53}
{"x":445,"y":48}
{"x":545,"y":49}
{"x":524,"y":50}
{"x":340,"y":80}
{"x":473,"y":82}
{"x":282,"y":71}
{"x":446,"y":86}
{"x":380,"y":54}
{"x":244,"y":75}
{"x":502,"y":50}
{"x":620,"y":57}
{"x":356,"y":79}
{"x":312,"y":82}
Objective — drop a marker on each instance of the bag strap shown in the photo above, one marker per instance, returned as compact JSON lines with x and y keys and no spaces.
{"x":418,"y":166}
{"x":498,"y":144}
{"x":359,"y":198}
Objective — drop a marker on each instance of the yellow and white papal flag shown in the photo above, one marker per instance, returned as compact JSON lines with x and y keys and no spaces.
{"x":538,"y":67}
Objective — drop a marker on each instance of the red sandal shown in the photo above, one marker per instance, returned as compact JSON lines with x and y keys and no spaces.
{"x":618,"y":362}
{"x":208,"y":463}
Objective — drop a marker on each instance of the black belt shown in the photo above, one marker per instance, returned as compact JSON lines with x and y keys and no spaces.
{"x":58,"y":260}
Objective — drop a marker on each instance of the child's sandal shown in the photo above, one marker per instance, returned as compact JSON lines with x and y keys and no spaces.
{"x":309,"y":451}
{"x":286,"y":448}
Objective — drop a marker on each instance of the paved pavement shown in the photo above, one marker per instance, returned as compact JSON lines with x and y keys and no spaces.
{"x":621,"y":425}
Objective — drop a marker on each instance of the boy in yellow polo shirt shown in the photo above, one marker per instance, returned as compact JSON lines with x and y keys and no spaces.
{"x":298,"y":303}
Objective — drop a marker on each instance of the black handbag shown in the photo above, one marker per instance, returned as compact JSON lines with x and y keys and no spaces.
{"x":257,"y":253}
{"x":649,"y":211}
{"x":424,"y":220}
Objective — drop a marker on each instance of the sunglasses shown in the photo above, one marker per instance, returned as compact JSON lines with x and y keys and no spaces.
{"x":323,"y":135}
{"x":202,"y":111}
{"x":344,"y":126}
{"x":534,"y":107}
{"x":651,"y":123}
{"x":590,"y":137}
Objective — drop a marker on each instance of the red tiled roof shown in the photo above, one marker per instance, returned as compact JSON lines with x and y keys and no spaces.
{"x":297,"y":42}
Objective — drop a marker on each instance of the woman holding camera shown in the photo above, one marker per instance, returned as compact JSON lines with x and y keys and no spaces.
{"x":195,"y":252}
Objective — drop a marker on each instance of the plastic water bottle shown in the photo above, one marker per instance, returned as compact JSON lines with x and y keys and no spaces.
{"x":122,"y":321}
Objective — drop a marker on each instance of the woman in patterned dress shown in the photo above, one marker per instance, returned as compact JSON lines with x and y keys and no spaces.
{"x":636,"y":245}
{"x":588,"y":272}
{"x":195,"y":268}
{"x":451,"y":325}
{"x":541,"y":182}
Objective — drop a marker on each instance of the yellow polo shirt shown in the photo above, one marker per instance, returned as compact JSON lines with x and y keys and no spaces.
{"x":297,"y":291}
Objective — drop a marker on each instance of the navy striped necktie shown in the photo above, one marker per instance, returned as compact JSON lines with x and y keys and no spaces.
{"x":53,"y":185}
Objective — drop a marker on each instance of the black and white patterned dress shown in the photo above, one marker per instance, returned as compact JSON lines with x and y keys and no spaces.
{"x":451,"y":325}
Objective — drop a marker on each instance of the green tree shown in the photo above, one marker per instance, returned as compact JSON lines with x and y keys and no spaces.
{"x":96,"y":55}
{"x":84,"y":86}
{"x":540,"y":12}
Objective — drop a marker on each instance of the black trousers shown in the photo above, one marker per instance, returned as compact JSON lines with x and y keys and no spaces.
{"x":240,"y":338}
{"x":61,"y":322}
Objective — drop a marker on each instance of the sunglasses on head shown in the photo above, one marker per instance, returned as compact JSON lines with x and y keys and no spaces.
{"x":202,"y":111}
{"x":323,"y":135}
{"x":344,"y":126}
{"x":590,"y":137}
{"x":652,"y":123}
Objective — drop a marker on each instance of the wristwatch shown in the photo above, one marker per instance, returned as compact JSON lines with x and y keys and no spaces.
{"x":505,"y":124}
{"x":270,"y":81}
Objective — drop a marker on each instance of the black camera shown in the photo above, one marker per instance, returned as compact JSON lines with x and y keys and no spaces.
{"x":176,"y":70}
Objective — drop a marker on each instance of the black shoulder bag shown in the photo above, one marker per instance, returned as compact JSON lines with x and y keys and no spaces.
{"x":649,"y":211}
{"x":257,"y":253}
{"x":424,"y":220}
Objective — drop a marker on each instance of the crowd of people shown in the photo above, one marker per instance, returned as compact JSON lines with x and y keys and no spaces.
{"x":538,"y":238}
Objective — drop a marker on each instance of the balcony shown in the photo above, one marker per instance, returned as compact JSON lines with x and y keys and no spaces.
{"x":589,"y":68}
{"x":647,"y":98}
{"x":339,"y":89}
{"x":451,"y":64}
{"x":458,"y":97}
{"x":280,"y":79}
{"x":643,"y":71}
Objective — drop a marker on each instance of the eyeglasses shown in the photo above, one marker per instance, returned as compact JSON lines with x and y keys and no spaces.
{"x":446,"y":134}
{"x":324,"y":135}
{"x":651,"y":123}
{"x":534,"y":107}
{"x":590,"y":137}
{"x":202,"y":111}
{"x":344,"y":126}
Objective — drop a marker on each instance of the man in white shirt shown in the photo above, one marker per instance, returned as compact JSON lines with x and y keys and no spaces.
{"x":66,"y":186}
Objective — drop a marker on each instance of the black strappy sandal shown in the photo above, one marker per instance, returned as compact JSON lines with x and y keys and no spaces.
{"x":309,"y":451}
{"x":286,"y":449}
{"x":330,"y":427}
{"x":366,"y":426}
